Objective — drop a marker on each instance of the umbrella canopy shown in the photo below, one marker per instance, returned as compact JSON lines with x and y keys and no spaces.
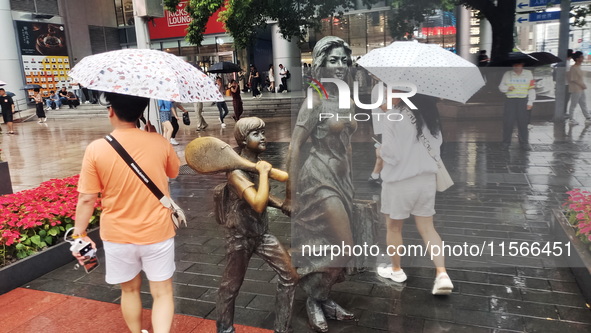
{"x":31,"y":86}
{"x":10,"y":94}
{"x":533,"y":59}
{"x":224,"y":67}
{"x":2,"y":83}
{"x":145,"y":73}
{"x":435,"y":71}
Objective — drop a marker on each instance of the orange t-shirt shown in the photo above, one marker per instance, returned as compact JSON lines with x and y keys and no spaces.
{"x":131,"y":212}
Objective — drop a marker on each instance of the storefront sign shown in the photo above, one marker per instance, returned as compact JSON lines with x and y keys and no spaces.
{"x":174,"y":25}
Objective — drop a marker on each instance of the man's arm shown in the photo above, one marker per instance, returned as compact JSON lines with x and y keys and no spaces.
{"x":84,"y":211}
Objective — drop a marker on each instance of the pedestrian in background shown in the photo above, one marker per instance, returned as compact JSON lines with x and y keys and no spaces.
{"x":221,"y":104}
{"x":174,"y":121}
{"x":577,"y":89}
{"x":284,"y":76}
{"x":518,"y":87}
{"x":7,"y":107}
{"x":236,"y":100}
{"x":201,"y":123}
{"x":39,"y":105}
{"x":254,"y":82}
{"x":164,"y":108}
{"x":271,"y":78}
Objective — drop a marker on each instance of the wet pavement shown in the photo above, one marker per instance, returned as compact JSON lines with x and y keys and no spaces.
{"x":498,"y":196}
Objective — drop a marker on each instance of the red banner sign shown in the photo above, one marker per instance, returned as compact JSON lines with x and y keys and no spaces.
{"x":174,"y":25}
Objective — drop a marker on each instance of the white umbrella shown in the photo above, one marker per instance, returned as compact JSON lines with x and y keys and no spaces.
{"x":2,"y":83}
{"x":145,"y":73}
{"x":434,"y":70}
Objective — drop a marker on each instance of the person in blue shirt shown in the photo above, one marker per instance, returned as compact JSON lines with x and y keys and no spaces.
{"x":165,"y":107}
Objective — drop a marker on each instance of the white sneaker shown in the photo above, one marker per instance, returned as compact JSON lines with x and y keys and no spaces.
{"x":386,"y":271}
{"x":48,"y":108}
{"x":573,"y":122}
{"x":223,"y":125}
{"x":87,"y":102}
{"x":57,"y":107}
{"x":442,"y":285}
{"x":174,"y":142}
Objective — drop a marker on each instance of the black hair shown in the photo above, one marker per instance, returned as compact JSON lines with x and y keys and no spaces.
{"x":426,"y":114}
{"x":36,"y":90}
{"x":127,"y":108}
{"x":2,"y":89}
{"x":577,"y":55}
{"x":569,"y":53}
{"x":51,"y":91}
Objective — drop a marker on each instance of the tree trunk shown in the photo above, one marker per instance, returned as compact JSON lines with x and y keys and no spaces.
{"x":502,"y":21}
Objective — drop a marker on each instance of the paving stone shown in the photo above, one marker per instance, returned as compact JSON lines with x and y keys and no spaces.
{"x":553,"y":326}
{"x":390,"y":323}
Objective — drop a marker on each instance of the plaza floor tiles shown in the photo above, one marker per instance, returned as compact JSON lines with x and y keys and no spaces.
{"x":31,"y":311}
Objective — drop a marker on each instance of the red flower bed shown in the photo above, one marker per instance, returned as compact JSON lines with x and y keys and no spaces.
{"x":33,"y":219}
{"x":578,"y":212}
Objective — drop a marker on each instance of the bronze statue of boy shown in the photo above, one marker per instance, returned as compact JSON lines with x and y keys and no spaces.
{"x":241,"y":207}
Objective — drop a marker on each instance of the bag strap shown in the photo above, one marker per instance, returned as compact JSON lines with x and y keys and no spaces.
{"x":138,"y":171}
{"x":422,"y":136}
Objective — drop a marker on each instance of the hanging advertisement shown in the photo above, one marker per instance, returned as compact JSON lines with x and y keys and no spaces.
{"x":44,"y":54}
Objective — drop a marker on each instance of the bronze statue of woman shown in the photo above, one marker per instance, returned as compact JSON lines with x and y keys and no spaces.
{"x":320,"y":187}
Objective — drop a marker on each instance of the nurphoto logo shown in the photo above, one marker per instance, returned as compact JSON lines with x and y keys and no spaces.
{"x":402,"y":91}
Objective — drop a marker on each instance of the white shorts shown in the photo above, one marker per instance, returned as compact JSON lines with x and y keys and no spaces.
{"x":124,"y":261}
{"x":414,"y":196}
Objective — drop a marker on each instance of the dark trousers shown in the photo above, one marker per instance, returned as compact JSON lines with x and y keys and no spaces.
{"x":283,"y":83}
{"x":175,"y":126}
{"x":223,"y":109}
{"x":255,"y":87}
{"x":516,"y":112}
{"x":239,"y":252}
{"x":39,"y":110}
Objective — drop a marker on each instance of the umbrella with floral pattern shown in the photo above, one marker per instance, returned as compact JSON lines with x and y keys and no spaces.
{"x":145,"y":73}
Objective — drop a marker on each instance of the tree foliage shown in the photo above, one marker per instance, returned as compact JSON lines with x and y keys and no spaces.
{"x":243,"y":18}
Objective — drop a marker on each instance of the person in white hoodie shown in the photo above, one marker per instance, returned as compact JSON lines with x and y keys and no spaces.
{"x":409,"y":151}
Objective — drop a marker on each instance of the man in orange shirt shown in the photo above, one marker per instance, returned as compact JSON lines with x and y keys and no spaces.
{"x":136,"y":229}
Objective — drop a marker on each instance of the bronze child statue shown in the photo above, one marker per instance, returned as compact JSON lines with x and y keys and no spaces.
{"x":241,"y":208}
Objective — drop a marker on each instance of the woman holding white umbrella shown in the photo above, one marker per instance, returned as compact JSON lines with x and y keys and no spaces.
{"x":409,"y":151}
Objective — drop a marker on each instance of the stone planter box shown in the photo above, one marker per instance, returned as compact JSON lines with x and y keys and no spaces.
{"x":5,"y":182}
{"x":579,"y":260}
{"x":32,"y":267}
